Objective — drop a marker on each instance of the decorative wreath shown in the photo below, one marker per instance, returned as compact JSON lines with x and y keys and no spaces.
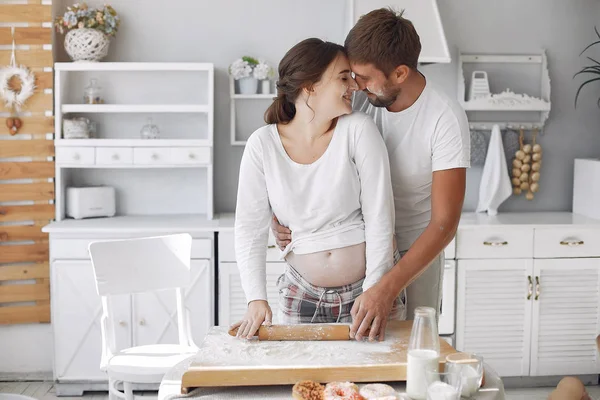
{"x":10,"y":97}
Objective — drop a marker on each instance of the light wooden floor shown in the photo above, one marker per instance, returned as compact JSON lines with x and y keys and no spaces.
{"x":45,"y":391}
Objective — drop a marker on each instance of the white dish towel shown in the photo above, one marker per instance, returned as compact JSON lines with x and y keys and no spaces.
{"x":495,"y":186}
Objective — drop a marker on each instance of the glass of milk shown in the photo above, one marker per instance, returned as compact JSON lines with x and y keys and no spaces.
{"x":443,"y":385}
{"x":423,"y":352}
{"x":470,"y":368}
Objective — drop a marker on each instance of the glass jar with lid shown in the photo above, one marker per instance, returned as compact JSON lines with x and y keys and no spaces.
{"x":93,"y":93}
{"x":150,"y":130}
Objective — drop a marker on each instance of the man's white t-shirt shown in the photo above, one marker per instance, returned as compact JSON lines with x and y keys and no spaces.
{"x":431,"y":135}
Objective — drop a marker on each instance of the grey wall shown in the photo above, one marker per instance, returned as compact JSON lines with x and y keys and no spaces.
{"x":220,"y":31}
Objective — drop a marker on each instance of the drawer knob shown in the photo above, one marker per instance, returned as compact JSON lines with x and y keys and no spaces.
{"x":192,"y":156}
{"x":122,"y":323}
{"x":142,"y":322}
{"x":76,"y":156}
{"x":495,"y":243}
{"x":154,"y":156}
{"x":572,"y":243}
{"x":115,"y":157}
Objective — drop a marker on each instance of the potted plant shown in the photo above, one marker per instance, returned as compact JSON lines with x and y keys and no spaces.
{"x":263,"y":72}
{"x":88,"y":31}
{"x":593,"y":70}
{"x":242,"y":71}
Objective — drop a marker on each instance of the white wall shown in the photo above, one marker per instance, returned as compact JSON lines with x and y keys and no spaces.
{"x":25,"y":348}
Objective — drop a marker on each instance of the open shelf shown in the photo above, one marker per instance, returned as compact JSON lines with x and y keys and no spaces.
{"x":131,"y":143}
{"x":269,"y":96}
{"x":133,"y":66}
{"x":134,"y":108}
{"x":528,"y":73}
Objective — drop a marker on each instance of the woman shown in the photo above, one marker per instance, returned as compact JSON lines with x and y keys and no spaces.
{"x":324,"y":173}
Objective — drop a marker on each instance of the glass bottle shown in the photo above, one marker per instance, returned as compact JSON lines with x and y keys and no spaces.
{"x":149,"y":131}
{"x":93,"y":93}
{"x":423,"y":352}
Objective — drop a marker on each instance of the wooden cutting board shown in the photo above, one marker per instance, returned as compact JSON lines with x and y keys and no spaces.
{"x":227,"y":361}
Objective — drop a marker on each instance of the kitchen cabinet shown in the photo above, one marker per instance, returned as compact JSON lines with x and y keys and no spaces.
{"x":566,"y":317}
{"x":154,"y":314}
{"x":142,"y":318}
{"x":494,"y":312}
{"x":76,"y":311}
{"x":528,"y":292}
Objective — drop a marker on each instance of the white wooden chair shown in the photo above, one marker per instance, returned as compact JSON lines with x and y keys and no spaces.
{"x":134,"y":266}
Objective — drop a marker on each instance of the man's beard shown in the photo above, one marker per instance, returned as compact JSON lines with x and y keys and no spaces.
{"x":382,"y":101}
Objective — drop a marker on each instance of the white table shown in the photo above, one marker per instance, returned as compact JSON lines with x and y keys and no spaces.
{"x":170,"y":388}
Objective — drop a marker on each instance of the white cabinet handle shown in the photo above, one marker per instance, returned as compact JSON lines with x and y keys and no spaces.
{"x":495,"y":243}
{"x":142,"y":322}
{"x":571,"y":243}
{"x":115,"y":157}
{"x":122,"y":323}
{"x":76,"y":156}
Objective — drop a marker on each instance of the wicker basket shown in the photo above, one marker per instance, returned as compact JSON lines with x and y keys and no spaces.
{"x":86,"y":44}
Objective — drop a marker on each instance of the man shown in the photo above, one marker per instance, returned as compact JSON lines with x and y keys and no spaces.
{"x":427,"y":137}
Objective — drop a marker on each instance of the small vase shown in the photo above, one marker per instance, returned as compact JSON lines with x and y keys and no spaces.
{"x":248,"y":85}
{"x":86,"y":44}
{"x":265,"y":86}
{"x":150,"y":130}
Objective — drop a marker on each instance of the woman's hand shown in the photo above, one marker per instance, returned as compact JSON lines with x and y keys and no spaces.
{"x":258,"y":313}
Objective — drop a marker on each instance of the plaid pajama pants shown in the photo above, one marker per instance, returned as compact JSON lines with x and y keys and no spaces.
{"x":302,"y":303}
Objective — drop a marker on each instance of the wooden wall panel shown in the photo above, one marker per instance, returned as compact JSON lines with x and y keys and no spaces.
{"x":24,"y":251}
{"x":30,"y":13}
{"x":28,"y":36}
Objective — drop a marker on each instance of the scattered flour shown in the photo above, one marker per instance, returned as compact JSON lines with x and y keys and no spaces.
{"x":221,"y":349}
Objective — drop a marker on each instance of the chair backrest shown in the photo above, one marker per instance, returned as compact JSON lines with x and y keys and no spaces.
{"x":141,"y":265}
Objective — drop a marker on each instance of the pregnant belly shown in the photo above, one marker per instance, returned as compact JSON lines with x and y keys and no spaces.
{"x":331,"y":268}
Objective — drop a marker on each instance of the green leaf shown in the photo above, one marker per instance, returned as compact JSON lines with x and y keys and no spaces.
{"x":589,"y":70}
{"x":581,"y":87}
{"x":595,"y":43}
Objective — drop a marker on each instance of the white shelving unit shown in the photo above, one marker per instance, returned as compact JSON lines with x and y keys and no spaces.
{"x":119,"y":148}
{"x":507,"y":101}
{"x":234,"y":97}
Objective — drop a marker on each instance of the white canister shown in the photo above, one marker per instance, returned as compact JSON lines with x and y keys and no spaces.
{"x":76,"y":128}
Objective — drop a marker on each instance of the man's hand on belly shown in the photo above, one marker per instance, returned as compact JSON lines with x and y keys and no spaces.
{"x":283,"y":236}
{"x":370,"y":311}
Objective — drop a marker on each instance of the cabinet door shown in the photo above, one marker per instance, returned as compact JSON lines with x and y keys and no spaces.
{"x":76,"y":311}
{"x":155,"y":313}
{"x":232,"y":301}
{"x":493,"y":312}
{"x":566,"y":317}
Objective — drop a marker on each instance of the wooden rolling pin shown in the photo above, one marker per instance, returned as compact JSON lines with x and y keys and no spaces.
{"x":302,"y":332}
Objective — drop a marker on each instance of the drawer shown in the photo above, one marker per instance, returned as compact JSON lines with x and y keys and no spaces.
{"x":202,"y":248}
{"x":566,"y":242}
{"x":77,"y":249}
{"x":482,"y":243}
{"x":190,"y":155}
{"x":227,"y":248}
{"x":75,"y":155}
{"x":114,"y":155}
{"x":151,"y":155}
{"x":70,"y":249}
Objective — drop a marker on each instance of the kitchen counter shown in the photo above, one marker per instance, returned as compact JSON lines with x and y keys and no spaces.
{"x":171,"y":385}
{"x":143,"y":224}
